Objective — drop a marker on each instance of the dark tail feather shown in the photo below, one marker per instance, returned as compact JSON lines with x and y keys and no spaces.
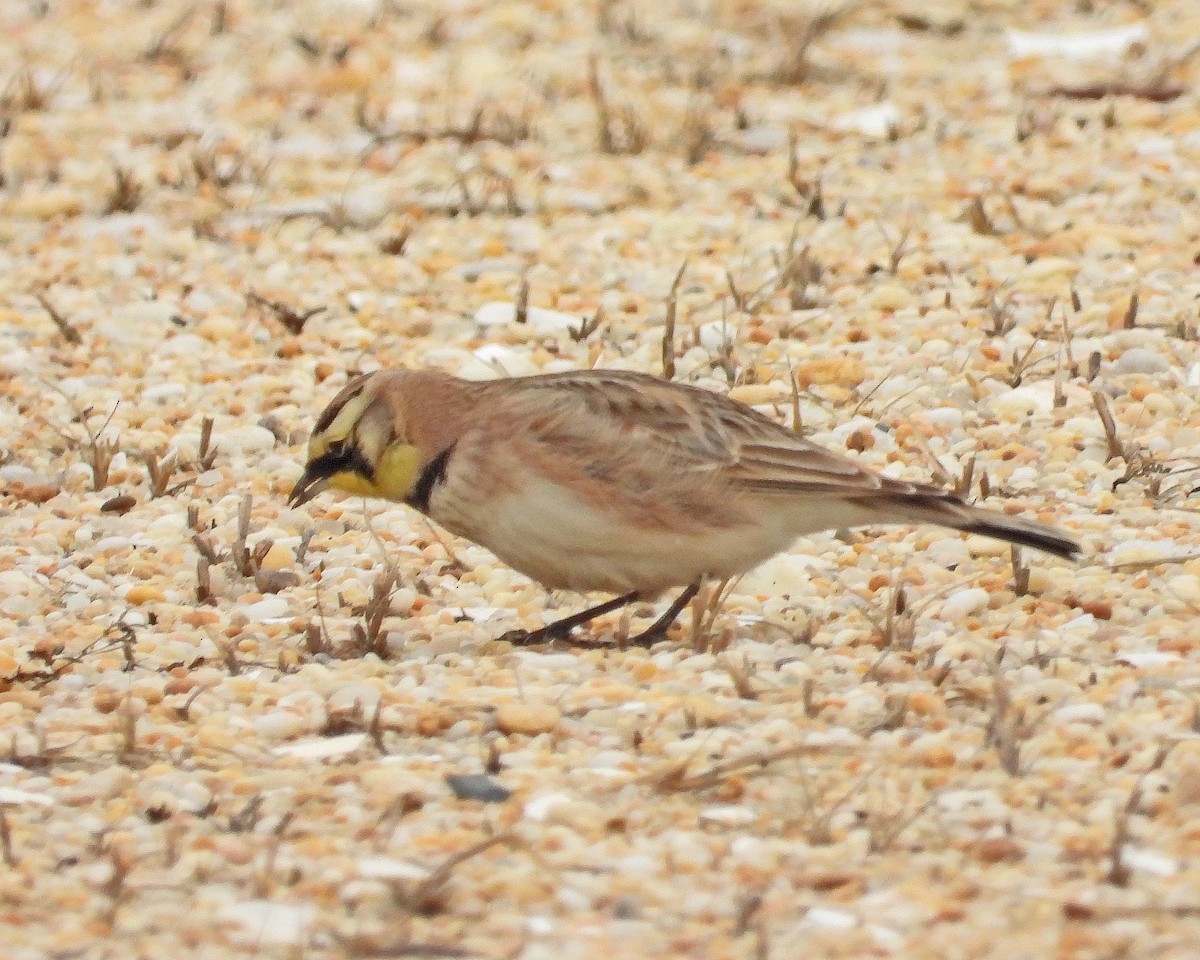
{"x":948,"y":511}
{"x":1026,"y":534}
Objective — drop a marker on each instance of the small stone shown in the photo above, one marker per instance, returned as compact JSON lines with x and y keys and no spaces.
{"x":323,"y":748}
{"x":44,"y":204}
{"x":477,"y":786}
{"x":1100,"y":609}
{"x":12,"y":796}
{"x":757,"y":393}
{"x":1077,"y":45}
{"x":273,"y":581}
{"x":36,"y":492}
{"x":890,"y":296}
{"x":1092,"y":713}
{"x":120,"y":504}
{"x":527,"y":718}
{"x":365,"y":207}
{"x":1140,"y":360}
{"x":144,"y":593}
{"x":135,"y":323}
{"x":728,"y":814}
{"x":964,"y":603}
{"x":476,"y":269}
{"x":248,"y":439}
{"x":268,"y":608}
{"x":999,"y":850}
{"x":878,"y":120}
{"x":387,"y":868}
{"x":266,"y":923}
{"x":538,"y":319}
{"x":165,"y":391}
{"x":1149,"y":861}
{"x":278,"y":557}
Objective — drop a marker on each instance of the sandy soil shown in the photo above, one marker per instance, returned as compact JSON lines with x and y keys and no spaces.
{"x":957,"y":239}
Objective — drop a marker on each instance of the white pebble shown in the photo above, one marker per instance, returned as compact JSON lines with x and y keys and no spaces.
{"x":1149,"y":861}
{"x":15,"y":360}
{"x":248,"y":439}
{"x":280,"y":725}
{"x":1140,"y":360}
{"x":322,"y":748}
{"x":1148,"y":658}
{"x":875,"y":121}
{"x":1024,"y":401}
{"x":11,"y":796}
{"x":135,"y":323}
{"x":365,"y":207}
{"x":945,"y":417}
{"x":1078,"y":45}
{"x":266,"y":922}
{"x":498,"y":313}
{"x":268,"y":608}
{"x":964,"y":603}
{"x":1080,"y":713}
{"x":539,"y":807}
{"x":728,"y":813}
{"x":1141,"y":551}
{"x":948,"y":552}
{"x":387,"y":868}
{"x":165,"y":391}
{"x":830,"y":919}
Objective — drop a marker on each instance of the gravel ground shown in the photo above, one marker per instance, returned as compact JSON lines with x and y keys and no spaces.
{"x":958,"y":239}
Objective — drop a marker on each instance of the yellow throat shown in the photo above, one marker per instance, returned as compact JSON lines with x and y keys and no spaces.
{"x":395,"y":475}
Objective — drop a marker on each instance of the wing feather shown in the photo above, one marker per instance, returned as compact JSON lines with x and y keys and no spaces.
{"x":689,"y":429}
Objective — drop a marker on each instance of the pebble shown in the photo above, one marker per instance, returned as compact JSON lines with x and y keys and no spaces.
{"x":323,"y":748}
{"x":245,"y":440}
{"x":473,"y":271}
{"x":965,"y":603}
{"x":1081,"y":713}
{"x":875,"y":121}
{"x":889,"y":296}
{"x":537,"y":319}
{"x":267,"y":923}
{"x":365,"y":207}
{"x":1149,"y":861}
{"x":278,"y":557}
{"x":144,"y":593}
{"x":387,"y":868}
{"x":830,"y":919}
{"x":477,"y":786}
{"x":729,"y":814}
{"x":1139,"y":360}
{"x":1077,"y":45}
{"x":133,"y":324}
{"x":527,"y":718}
{"x":268,"y":608}
{"x":11,"y":796}
{"x":1022,"y":402}
{"x":1141,"y":551}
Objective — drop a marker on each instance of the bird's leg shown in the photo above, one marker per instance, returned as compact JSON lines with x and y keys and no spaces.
{"x":658,"y":629}
{"x":561,"y":629}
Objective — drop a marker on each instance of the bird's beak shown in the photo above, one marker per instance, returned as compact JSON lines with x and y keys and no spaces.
{"x":307,"y":487}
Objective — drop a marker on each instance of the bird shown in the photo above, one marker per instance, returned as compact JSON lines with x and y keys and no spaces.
{"x":613,"y":481}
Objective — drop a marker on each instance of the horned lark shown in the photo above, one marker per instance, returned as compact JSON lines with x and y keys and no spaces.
{"x":612,"y":481}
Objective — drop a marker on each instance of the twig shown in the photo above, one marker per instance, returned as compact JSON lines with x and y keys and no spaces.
{"x":668,"y":340}
{"x":65,"y":327}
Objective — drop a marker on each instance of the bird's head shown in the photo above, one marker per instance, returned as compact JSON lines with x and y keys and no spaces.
{"x":360,"y":443}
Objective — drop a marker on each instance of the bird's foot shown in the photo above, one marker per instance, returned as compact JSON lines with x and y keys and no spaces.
{"x":647,"y":638}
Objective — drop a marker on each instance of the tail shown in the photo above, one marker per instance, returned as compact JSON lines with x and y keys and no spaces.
{"x":948,"y":511}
